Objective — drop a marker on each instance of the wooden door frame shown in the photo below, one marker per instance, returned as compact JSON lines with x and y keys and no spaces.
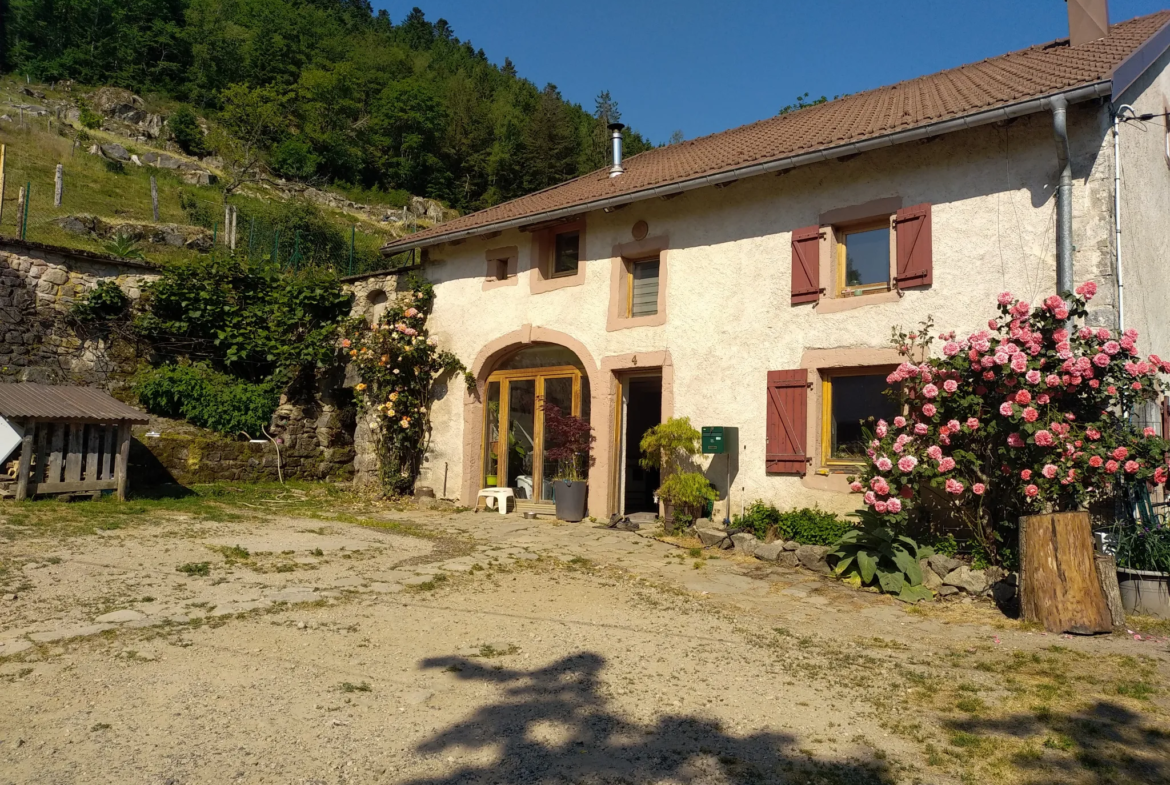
{"x":505,"y":379}
{"x":618,"y":468}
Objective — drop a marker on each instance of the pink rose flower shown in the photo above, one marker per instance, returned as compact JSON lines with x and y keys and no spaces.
{"x":870,"y":498}
{"x":1048,"y":471}
{"x":899,"y":421}
{"x":978,"y":488}
{"x":1023,"y":397}
{"x":1019,"y":362}
{"x":880,"y":507}
{"x":1005,"y":409}
{"x":907,"y":463}
{"x":1026,"y":474}
{"x":1015,"y":440}
{"x":921,"y":428}
{"x":929,"y":409}
{"x":1042,"y":399}
{"x":880,"y":485}
{"x":1096,"y":461}
{"x":934,"y":452}
{"x":1031,"y":491}
{"x":954,"y":486}
{"x":1148,"y":431}
{"x":894,"y":505}
{"x":1032,"y":376}
{"x":856,"y":486}
{"x":1120,"y":453}
{"x":946,"y":464}
{"x":1111,"y":466}
{"x":972,"y":423}
{"x":1004,"y":298}
{"x":950,"y":349}
{"x":1100,"y":359}
{"x":953,"y":425}
{"x":1044,"y":439}
{"x":883,"y":463}
{"x":1031,"y":415}
{"x":950,"y":385}
{"x":930,"y":391}
{"x":1093,"y":433}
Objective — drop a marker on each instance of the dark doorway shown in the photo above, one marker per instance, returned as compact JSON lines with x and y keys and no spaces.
{"x":643,"y":410}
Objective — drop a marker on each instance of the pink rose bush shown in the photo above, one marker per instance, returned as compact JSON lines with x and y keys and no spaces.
{"x":1022,"y":417}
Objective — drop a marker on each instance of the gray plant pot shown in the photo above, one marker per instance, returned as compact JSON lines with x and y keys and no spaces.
{"x":570,"y":498}
{"x":1145,"y":591}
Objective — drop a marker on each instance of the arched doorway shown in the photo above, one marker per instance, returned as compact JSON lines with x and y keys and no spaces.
{"x":513,"y":418}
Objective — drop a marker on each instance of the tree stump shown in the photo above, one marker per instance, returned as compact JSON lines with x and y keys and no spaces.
{"x":1059,"y":587}
{"x":1107,"y":574}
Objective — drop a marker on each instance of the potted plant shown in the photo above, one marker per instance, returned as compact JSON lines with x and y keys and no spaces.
{"x":1142,"y":550}
{"x":567,"y":440}
{"x":1016,"y":429}
{"x":684,"y":494}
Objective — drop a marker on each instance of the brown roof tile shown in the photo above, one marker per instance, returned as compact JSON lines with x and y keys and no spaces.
{"x":996,"y":82}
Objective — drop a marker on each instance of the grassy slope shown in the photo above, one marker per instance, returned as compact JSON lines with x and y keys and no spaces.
{"x":34,"y":151}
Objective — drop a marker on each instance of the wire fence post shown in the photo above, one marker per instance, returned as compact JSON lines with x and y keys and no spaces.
{"x":352,"y":241}
{"x":24,"y":218}
{"x":154,"y":198}
{"x":59,"y":185}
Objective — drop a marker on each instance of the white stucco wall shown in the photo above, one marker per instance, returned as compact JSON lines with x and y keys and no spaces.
{"x":730,"y":320}
{"x":1145,"y":210}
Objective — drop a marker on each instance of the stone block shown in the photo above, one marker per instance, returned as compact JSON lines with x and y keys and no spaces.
{"x":930,"y":578}
{"x":706,"y":536}
{"x":970,"y":581}
{"x":745,"y":543}
{"x":791,"y":545}
{"x":769,"y":551}
{"x":944,"y":565}
{"x":787,"y":559}
{"x":812,"y":557}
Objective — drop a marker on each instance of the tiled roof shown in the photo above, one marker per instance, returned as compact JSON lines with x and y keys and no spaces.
{"x":1016,"y":77}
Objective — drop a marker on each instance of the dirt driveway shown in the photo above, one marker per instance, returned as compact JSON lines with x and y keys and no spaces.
{"x":303,"y":636}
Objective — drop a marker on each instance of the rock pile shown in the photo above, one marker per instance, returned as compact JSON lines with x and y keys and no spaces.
{"x":195,"y":238}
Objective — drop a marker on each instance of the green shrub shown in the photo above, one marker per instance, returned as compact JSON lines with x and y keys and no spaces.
{"x":688,"y":490}
{"x":207,"y":398}
{"x":808,"y":526}
{"x":186,"y":132}
{"x":103,"y":303}
{"x":89,"y":118}
{"x":881,"y":557}
{"x":295,"y":158}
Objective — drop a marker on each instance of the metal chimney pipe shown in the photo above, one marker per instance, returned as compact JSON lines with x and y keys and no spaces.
{"x":616,"y":132}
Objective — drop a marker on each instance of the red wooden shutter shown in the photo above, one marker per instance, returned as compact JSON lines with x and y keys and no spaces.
{"x":1166,"y":417}
{"x":787,"y":424}
{"x":806,"y":265}
{"x":915,"y":256}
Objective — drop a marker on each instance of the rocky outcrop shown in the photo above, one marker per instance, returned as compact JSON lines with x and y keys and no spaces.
{"x":125,"y":107}
{"x":195,"y":238}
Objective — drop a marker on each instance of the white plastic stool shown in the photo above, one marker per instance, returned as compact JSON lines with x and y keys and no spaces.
{"x":496,"y":498}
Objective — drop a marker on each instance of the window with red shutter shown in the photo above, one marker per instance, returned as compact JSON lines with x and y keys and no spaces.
{"x":915,"y":255}
{"x":1166,"y":417}
{"x":786,"y":449}
{"x":806,"y":265}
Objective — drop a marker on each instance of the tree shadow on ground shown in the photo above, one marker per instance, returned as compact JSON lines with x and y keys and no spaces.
{"x":1105,"y":740}
{"x":555,"y":726}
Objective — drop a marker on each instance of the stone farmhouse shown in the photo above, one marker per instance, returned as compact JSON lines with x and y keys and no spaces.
{"x":750,"y":279}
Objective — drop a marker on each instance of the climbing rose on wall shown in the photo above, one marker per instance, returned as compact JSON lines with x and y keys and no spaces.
{"x":1024,"y":416}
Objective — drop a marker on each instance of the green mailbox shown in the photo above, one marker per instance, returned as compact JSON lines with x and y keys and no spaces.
{"x":714,"y":441}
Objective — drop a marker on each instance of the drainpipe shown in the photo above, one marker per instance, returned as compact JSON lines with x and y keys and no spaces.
{"x":1117,"y":214}
{"x":1064,"y":261}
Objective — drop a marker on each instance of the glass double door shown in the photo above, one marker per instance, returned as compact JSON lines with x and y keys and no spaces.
{"x":514,"y":433}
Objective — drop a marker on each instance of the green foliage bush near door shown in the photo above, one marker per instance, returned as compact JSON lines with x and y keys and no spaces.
{"x":808,"y":526}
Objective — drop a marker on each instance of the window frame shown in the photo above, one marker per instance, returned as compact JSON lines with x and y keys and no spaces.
{"x":552,"y":261}
{"x":840,"y":234}
{"x":826,"y":414}
{"x":630,"y":267}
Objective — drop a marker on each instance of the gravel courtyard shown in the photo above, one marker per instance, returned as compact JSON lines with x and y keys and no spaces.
{"x":299,"y":635}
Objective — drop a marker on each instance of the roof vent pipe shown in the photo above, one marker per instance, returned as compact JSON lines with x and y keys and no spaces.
{"x":1064,"y":260}
{"x":1088,"y":21}
{"x":616,"y":132}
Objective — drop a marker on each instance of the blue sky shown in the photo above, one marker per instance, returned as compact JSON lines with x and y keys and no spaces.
{"x":702,"y":67}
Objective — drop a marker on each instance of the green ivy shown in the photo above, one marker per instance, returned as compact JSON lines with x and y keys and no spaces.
{"x":207,"y":398}
{"x":103,"y":303}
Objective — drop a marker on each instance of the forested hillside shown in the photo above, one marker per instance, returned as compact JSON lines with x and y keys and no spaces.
{"x":324,"y":91}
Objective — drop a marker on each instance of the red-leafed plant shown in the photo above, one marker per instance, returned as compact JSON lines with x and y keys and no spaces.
{"x":1029,"y":415}
{"x":567,"y":440}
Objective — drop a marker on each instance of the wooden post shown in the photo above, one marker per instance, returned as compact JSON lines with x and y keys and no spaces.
{"x":91,"y":455}
{"x":232,"y":228}
{"x":73,"y":454}
{"x":1058,"y":577}
{"x":59,"y":186}
{"x":154,"y":197}
{"x":56,"y":446}
{"x":19,"y":209}
{"x":1107,"y":574}
{"x":227,"y":224}
{"x":121,"y":472}
{"x":23,"y":468}
{"x":3,"y":153}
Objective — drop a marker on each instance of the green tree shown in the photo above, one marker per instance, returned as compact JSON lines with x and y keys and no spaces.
{"x":185,"y":130}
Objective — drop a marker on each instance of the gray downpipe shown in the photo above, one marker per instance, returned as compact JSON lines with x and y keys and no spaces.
{"x":1064,"y":244}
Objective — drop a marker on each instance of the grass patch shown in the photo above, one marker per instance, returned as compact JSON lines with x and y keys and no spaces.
{"x":346,"y":686}
{"x":192,"y":569}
